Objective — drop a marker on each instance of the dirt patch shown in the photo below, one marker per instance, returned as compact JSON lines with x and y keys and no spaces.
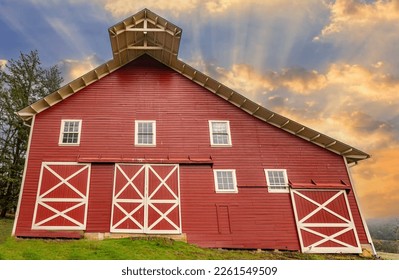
{"x":388,"y":256}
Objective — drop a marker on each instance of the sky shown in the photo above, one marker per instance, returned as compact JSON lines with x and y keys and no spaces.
{"x":330,"y":65}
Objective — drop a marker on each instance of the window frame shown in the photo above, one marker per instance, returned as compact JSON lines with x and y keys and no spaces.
{"x":277,"y":188}
{"x":136,"y":133}
{"x":62,"y":132}
{"x":234,"y":177}
{"x":211,"y":133}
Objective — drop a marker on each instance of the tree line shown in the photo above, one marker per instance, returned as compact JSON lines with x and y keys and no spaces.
{"x":22,"y":82}
{"x":385,"y":234}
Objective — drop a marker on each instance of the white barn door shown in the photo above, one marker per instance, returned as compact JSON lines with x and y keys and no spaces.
{"x":146,"y":199}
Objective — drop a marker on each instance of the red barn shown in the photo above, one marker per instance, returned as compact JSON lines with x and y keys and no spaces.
{"x":146,"y":144}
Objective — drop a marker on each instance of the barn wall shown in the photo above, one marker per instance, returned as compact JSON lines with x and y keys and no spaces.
{"x":148,"y":90}
{"x":252,"y":218}
{"x":100,"y":197}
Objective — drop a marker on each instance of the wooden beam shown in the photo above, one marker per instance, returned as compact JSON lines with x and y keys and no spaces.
{"x":315,"y":137}
{"x":145,"y":47}
{"x":206,"y":80}
{"x":284,"y":124}
{"x":331,"y":144}
{"x":242,"y":104}
{"x":270,"y":117}
{"x":300,"y":130}
{"x":256,"y":110}
{"x":347,"y":151}
{"x":138,"y":29}
{"x":219,"y":86}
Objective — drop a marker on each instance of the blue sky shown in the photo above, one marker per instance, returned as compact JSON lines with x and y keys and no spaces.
{"x":331,"y":65}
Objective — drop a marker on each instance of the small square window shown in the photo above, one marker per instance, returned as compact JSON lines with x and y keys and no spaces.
{"x":277,"y":180}
{"x":220,"y":133}
{"x":225,"y":180}
{"x":145,"y":133}
{"x":70,"y":132}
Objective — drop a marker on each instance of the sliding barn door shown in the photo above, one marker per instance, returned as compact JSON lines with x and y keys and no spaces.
{"x":324,"y":221}
{"x":146,"y":199}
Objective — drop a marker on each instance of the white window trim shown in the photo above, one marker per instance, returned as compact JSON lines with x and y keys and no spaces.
{"x":235,"y":190}
{"x":277,"y":190}
{"x":228,"y":134}
{"x":136,"y":130}
{"x":60,"y":143}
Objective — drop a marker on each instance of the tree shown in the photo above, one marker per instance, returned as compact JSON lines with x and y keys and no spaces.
{"x":22,"y":82}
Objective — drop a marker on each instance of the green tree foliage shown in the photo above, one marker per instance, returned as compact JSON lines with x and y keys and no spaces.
{"x":385,"y":234}
{"x":22,"y":82}
{"x":384,"y":229}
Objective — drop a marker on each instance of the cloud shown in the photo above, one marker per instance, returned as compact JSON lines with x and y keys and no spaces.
{"x":373,"y":84}
{"x":349,"y":102}
{"x":72,"y":68}
{"x":376,"y":183}
{"x":245,"y":79}
{"x":249,"y":81}
{"x":3,"y":63}
{"x":302,"y":81}
{"x":352,"y":103}
{"x":122,"y":8}
{"x":68,"y":33}
{"x":362,"y":32}
{"x":342,"y":87}
{"x":355,"y":14}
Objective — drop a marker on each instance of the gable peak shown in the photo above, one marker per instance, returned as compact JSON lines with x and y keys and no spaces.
{"x":144,"y":32}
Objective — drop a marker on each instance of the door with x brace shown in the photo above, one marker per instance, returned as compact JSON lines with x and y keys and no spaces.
{"x":146,"y":199}
{"x":62,"y":196}
{"x":324,"y":221}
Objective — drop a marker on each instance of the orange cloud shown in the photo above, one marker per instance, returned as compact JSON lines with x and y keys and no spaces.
{"x":373,"y":84}
{"x":249,"y":81}
{"x":377,"y":183}
{"x":351,"y":103}
{"x":3,"y":63}
{"x":73,"y":69}
{"x":355,"y":14}
{"x":122,"y":8}
{"x":302,"y":81}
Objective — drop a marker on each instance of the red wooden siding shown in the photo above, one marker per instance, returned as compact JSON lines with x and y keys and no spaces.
{"x":100,"y":197}
{"x":147,"y":90}
{"x":252,"y":218}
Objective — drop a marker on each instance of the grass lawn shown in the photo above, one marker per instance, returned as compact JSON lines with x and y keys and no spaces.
{"x":132,"y":249}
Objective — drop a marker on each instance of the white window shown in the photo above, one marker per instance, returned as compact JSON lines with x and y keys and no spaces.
{"x":220,"y":133}
{"x":70,"y":132}
{"x":145,"y":133}
{"x":225,"y":180}
{"x":277,"y":180}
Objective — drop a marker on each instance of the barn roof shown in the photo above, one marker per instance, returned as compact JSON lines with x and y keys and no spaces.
{"x":148,"y":33}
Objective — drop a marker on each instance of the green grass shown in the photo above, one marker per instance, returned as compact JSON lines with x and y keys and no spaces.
{"x":130,"y":249}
